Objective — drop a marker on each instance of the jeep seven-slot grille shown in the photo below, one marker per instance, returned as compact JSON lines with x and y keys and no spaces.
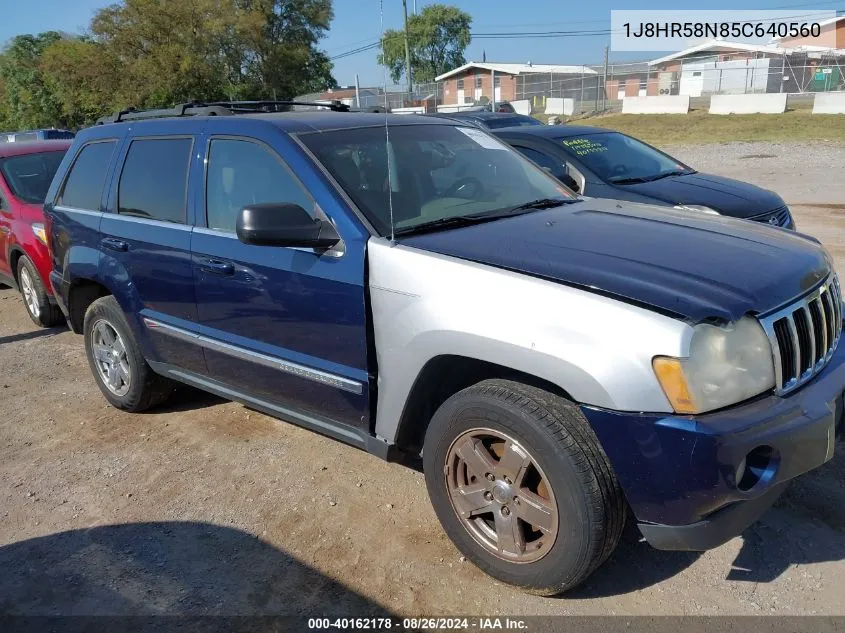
{"x":804,"y":335}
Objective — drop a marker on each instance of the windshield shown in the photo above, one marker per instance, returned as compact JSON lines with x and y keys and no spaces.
{"x":617,"y":158}
{"x":494,"y":123}
{"x":29,"y":175}
{"x":437,"y":172}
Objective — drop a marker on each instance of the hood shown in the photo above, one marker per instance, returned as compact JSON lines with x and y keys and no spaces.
{"x":728,"y":196}
{"x":689,"y":264}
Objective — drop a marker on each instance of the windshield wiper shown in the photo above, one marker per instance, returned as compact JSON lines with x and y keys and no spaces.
{"x":666,"y":174}
{"x":627,"y":181}
{"x":458,"y":221}
{"x":453,"y":222}
{"x":636,"y":179}
{"x":540,"y":203}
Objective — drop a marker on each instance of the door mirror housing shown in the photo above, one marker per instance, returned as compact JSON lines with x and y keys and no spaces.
{"x":569,"y":181}
{"x":283,"y":224}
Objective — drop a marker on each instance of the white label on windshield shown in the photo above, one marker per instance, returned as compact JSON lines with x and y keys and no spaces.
{"x":485,"y":140}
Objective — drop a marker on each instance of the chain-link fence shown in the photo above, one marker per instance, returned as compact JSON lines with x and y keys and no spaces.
{"x":596,"y":88}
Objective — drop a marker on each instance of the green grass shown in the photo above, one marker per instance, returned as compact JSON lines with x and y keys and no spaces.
{"x":697,"y":127}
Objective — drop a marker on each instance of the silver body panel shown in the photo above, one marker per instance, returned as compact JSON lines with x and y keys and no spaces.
{"x":597,"y":349}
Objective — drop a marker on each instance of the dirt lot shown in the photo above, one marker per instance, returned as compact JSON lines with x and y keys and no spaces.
{"x":207,"y":507}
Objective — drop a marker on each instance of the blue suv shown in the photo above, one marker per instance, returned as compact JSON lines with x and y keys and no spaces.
{"x":414,"y":286}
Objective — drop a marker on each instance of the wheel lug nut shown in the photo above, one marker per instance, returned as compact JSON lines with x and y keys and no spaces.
{"x":508,"y":480}
{"x":490,"y":477}
{"x":488,"y":496}
{"x":505,"y":510}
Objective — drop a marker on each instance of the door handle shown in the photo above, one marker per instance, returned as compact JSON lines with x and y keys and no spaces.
{"x":217,"y":267}
{"x":114,"y":244}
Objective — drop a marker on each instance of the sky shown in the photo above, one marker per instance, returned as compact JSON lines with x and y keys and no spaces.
{"x":358,"y":22}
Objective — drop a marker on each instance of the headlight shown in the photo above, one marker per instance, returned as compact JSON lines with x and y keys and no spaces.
{"x":40,"y":233}
{"x":696,"y":207}
{"x":725,"y":366}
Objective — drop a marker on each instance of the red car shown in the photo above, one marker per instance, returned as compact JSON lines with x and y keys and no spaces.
{"x":26,"y":170}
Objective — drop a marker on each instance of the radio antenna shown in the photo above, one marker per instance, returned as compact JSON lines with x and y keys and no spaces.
{"x":387,"y":151}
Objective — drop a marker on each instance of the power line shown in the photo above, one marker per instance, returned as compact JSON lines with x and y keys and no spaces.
{"x":552,"y":34}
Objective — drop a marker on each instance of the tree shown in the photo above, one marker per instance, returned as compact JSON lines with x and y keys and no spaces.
{"x":437,"y":36}
{"x":278,"y":38}
{"x":83,"y":76}
{"x":181,"y":50}
{"x":28,"y":100}
{"x":157,"y":53}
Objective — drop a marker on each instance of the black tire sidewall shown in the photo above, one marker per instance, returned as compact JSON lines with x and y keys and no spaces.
{"x":571,"y":554}
{"x":47,"y":312}
{"x":108,"y":309}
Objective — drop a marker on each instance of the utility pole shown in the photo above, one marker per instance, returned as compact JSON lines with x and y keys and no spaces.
{"x":357,"y":91}
{"x":604,"y":92}
{"x":408,"y":51}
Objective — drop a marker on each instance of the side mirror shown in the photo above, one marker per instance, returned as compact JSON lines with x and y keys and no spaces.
{"x":569,"y":181}
{"x":281,"y":224}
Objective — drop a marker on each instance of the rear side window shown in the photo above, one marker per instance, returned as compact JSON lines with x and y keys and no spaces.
{"x":242,"y":173}
{"x":29,"y":175}
{"x":26,"y":136}
{"x":154,"y":180}
{"x":83,"y":188}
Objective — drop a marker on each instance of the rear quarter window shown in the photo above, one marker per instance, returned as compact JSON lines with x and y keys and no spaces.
{"x":83,"y":188}
{"x":154,"y":180}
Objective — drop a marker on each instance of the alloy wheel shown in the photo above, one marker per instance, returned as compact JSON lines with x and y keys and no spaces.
{"x":30,"y":296}
{"x":501,"y":495}
{"x":110,"y":358}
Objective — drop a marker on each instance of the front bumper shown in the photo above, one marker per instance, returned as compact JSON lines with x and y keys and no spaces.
{"x":679,"y":473}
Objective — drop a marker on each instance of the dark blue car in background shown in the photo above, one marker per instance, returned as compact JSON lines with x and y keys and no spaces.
{"x":602,"y":163}
{"x":50,"y":134}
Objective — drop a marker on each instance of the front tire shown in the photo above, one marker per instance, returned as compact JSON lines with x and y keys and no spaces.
{"x":522,"y":486}
{"x":119,"y":368}
{"x":37,"y":302}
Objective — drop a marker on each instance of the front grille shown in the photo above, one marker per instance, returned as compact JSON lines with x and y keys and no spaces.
{"x":778,"y":217}
{"x":804,"y":335}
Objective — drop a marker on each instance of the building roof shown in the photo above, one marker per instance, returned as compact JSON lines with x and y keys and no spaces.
{"x":719,"y":46}
{"x":822,"y":24}
{"x":518,"y":69}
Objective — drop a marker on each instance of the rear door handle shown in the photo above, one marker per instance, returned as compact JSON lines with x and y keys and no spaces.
{"x":114,"y":244}
{"x":217,"y":267}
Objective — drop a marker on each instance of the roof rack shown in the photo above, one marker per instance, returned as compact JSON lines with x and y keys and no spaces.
{"x":222,"y":108}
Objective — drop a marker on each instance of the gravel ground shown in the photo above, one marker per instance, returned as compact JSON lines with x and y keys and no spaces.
{"x":205,"y":507}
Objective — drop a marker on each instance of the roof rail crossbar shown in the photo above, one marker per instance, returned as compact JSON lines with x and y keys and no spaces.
{"x":220,"y":108}
{"x":277,"y":106}
{"x":185,"y":109}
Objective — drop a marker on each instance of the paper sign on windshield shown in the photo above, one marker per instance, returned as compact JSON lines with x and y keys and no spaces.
{"x":583,"y":146}
{"x":482,"y":139}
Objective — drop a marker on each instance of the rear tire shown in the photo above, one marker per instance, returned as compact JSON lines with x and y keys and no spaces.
{"x":119,"y":368}
{"x":42,"y":311}
{"x":542,"y":462}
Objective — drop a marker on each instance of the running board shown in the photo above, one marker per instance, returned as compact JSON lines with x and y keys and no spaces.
{"x":335,"y":430}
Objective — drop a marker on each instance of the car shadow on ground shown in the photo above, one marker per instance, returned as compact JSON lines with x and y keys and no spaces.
{"x":185,"y":398}
{"x":807,"y":525}
{"x":26,"y":336}
{"x":171,"y":568}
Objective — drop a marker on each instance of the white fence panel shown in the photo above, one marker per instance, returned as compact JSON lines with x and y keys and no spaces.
{"x":829,"y":103}
{"x":555,"y":105}
{"x":748,"y":104}
{"x":669,"y":104}
{"x":523,"y":106}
